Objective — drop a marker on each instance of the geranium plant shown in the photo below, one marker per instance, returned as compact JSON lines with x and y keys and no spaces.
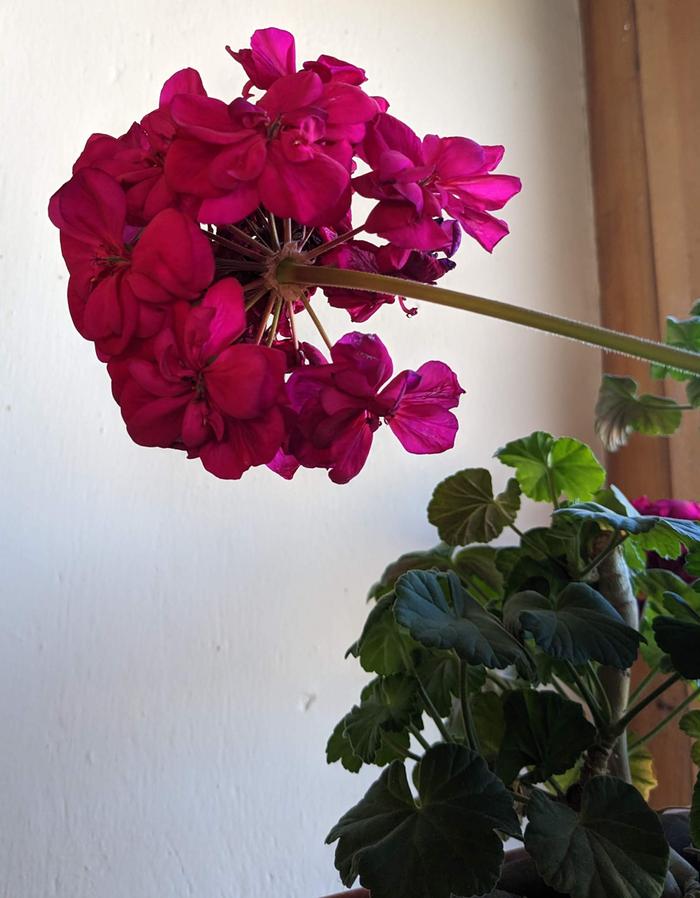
{"x":502,"y":678}
{"x":199,"y":243}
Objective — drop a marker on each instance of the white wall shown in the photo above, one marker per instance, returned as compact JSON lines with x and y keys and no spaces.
{"x":171,"y":646}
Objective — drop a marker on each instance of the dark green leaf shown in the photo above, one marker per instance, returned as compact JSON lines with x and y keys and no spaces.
{"x":437,"y":558}
{"x":388,"y":705}
{"x":679,"y":636}
{"x":652,"y":532}
{"x":439,"y":613}
{"x":620,"y":411}
{"x":383,"y":645}
{"x":547,"y":468}
{"x":692,"y":391}
{"x":544,"y":732}
{"x":340,"y":749}
{"x":579,"y":626}
{"x":614,"y":848}
{"x":476,"y":567}
{"x":439,"y":674}
{"x":695,"y":814}
{"x":487,"y":712}
{"x":464,"y":509}
{"x":692,"y":562}
{"x":445,"y":844}
{"x":541,"y":576}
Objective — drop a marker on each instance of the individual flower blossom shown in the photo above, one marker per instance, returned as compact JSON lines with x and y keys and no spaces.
{"x":669,"y":508}
{"x":136,"y":159}
{"x":340,"y":406}
{"x":291,"y":151}
{"x":416,"y":181}
{"x":203,"y":392}
{"x":120,"y":279}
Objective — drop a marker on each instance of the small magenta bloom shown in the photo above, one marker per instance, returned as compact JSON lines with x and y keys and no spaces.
{"x":174,"y":235}
{"x":669,"y":508}
{"x":342,"y":404}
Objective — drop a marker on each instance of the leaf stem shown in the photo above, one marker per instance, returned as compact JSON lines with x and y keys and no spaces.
{"x":587,"y":696}
{"x":469,"y":728}
{"x":689,"y":699}
{"x":399,"y":749}
{"x":418,"y":736}
{"x":623,"y":722}
{"x":427,"y":701}
{"x":607,"y":707}
{"x":289,"y":272}
{"x":643,"y":683}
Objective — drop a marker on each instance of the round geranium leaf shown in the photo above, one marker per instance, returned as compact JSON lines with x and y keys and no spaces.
{"x":544,"y":733}
{"x":620,"y":410}
{"x":614,"y":848}
{"x":465,"y":510}
{"x":389,"y":705}
{"x":439,"y":613}
{"x":547,"y":468}
{"x":579,"y":625}
{"x":444,"y":843}
{"x":383,"y":644}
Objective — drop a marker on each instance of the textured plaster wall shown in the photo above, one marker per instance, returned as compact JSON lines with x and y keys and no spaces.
{"x":171,"y":647}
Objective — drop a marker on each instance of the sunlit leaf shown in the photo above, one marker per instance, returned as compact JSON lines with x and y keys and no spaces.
{"x":465,"y":510}
{"x":620,"y":411}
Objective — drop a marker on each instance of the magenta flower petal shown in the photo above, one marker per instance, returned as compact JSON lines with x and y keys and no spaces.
{"x":271,"y":55}
{"x":216,"y":323}
{"x":186,"y":81}
{"x":304,"y":191}
{"x":245,"y":380}
{"x":172,"y":259}
{"x":91,"y":207}
{"x":245,"y":444}
{"x":231,"y":208}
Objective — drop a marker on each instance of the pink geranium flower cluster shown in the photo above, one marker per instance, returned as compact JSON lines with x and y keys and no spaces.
{"x":173,"y":232}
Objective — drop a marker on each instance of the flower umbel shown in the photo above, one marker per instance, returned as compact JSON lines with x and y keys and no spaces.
{"x":173,"y":234}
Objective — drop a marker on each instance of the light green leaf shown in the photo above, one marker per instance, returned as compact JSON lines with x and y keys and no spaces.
{"x":692,"y":391}
{"x":690,"y":724}
{"x":579,"y":626}
{"x":547,"y":468}
{"x":464,"y":509}
{"x":620,"y":411}
{"x":439,"y":613}
{"x":614,"y":848}
{"x":642,"y":769}
{"x":445,"y":843}
{"x":683,"y":333}
{"x":544,"y":732}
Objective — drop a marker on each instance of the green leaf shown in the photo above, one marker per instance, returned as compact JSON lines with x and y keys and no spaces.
{"x":340,"y":749}
{"x":388,"y":705}
{"x":439,"y":613}
{"x":544,"y":732}
{"x":654,"y":583}
{"x":579,"y":626}
{"x":695,"y":753}
{"x":642,"y":769}
{"x":695,"y":814}
{"x":489,"y":721}
{"x":692,"y":391}
{"x":437,"y":558}
{"x":547,"y":468}
{"x":383,"y":644}
{"x":464,"y":509}
{"x":439,"y":674}
{"x":444,"y":844}
{"x":651,"y":532}
{"x":620,"y":411}
{"x":679,"y":636}
{"x":692,"y":562}
{"x":476,"y":567}
{"x":614,"y":848}
{"x":690,"y":724}
{"x":545,"y":577}
{"x":683,"y":333}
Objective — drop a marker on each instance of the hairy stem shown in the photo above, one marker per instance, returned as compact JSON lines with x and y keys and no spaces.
{"x":662,"y":724}
{"x":289,"y":272}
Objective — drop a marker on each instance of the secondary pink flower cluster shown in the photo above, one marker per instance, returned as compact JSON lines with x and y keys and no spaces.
{"x":174,"y":231}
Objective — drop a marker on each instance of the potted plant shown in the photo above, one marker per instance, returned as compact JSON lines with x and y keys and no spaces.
{"x":500,"y":705}
{"x":197,"y":242}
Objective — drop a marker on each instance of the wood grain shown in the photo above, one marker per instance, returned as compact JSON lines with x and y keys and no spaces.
{"x":642,"y":70}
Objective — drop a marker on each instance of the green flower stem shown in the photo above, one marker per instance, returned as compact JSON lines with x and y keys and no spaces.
{"x":600,"y":689}
{"x":469,"y":728}
{"x":624,"y":721}
{"x":289,"y":272}
{"x":689,"y":699}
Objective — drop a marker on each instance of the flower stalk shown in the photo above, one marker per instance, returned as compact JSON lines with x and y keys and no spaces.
{"x":289,"y":272}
